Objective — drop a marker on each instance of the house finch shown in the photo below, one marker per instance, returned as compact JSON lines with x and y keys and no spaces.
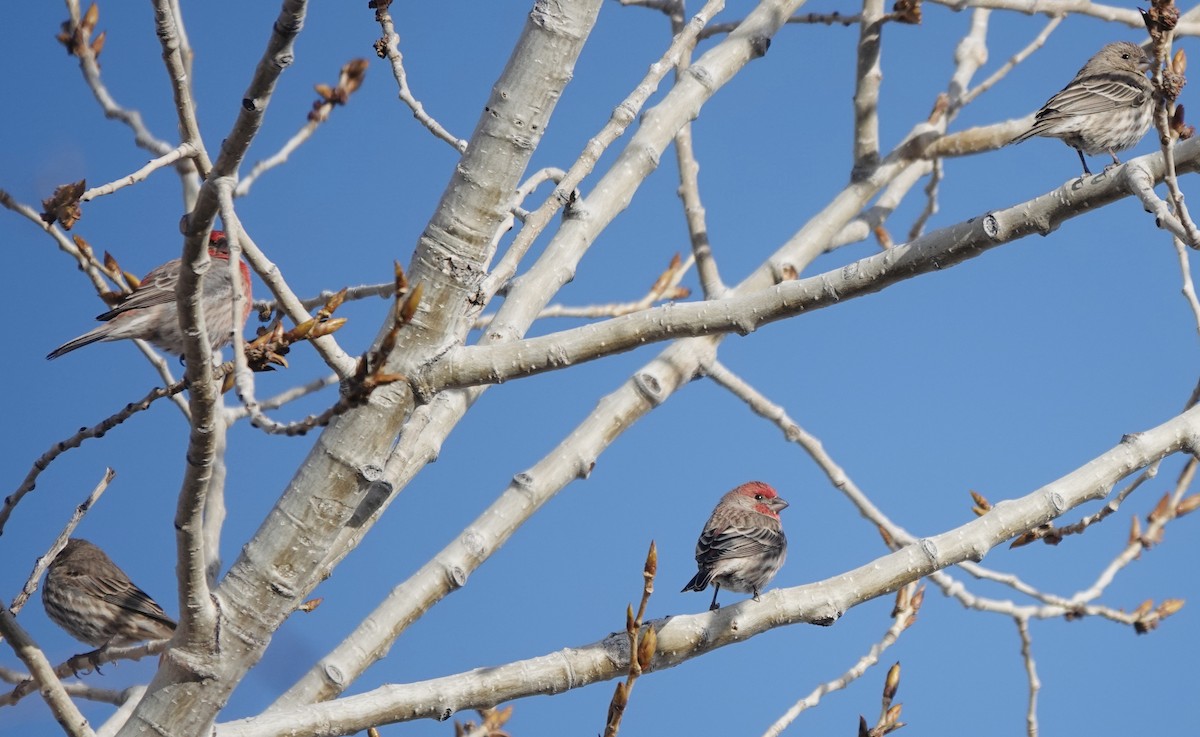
{"x":742,"y":546}
{"x":1107,"y":108}
{"x":93,"y":600}
{"x":149,"y":312}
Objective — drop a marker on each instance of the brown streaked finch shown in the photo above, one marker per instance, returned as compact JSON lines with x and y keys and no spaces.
{"x":1106,"y":108}
{"x":95,"y":602}
{"x":742,"y":545}
{"x":150,"y":311}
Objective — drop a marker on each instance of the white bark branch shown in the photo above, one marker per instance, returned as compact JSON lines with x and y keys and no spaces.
{"x":684,"y":637}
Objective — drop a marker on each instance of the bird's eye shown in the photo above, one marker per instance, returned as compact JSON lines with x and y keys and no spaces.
{"x":1124,"y":56}
{"x":758,"y":497}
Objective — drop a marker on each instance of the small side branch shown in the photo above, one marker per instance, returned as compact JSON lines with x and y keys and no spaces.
{"x":908,"y":603}
{"x":182,"y":151}
{"x":65,"y":711}
{"x":388,"y":47}
{"x":642,"y":644}
{"x":1031,"y":720}
{"x":96,"y":431}
{"x":43,"y":562}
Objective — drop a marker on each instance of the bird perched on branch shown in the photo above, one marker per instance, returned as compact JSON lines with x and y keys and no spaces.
{"x":150,"y":311}
{"x":95,"y":602}
{"x":1106,"y":108}
{"x":742,"y":545}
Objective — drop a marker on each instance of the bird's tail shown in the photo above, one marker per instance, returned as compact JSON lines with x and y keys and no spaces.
{"x":85,"y":339}
{"x":699,"y":582}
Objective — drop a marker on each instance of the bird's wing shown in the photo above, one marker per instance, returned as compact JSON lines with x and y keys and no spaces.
{"x":1098,"y":94}
{"x":156,"y":289}
{"x":123,"y":594}
{"x":736,"y":542}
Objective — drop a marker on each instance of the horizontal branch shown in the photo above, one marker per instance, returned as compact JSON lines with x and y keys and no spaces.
{"x":486,"y":364}
{"x":681,"y":638}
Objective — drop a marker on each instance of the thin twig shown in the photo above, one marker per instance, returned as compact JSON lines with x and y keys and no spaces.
{"x":827,"y":19}
{"x":60,"y":542}
{"x":95,"y":431}
{"x":1038,"y":42}
{"x":623,"y":115}
{"x":1031,"y":720}
{"x":908,"y":603}
{"x":142,"y":136}
{"x":666,"y":287}
{"x":184,"y":150}
{"x":389,"y":47}
{"x":65,"y":711}
{"x":350,"y":79}
{"x":1188,"y":289}
{"x":84,"y":661}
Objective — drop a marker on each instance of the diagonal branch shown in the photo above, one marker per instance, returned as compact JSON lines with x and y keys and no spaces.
{"x":682,"y":638}
{"x":471,"y":365}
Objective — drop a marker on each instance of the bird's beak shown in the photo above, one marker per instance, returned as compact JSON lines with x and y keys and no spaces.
{"x":778,"y":504}
{"x":1147,"y":63}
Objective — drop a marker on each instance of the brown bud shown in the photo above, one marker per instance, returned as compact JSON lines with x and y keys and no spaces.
{"x":98,"y":44}
{"x":887,"y":536}
{"x":1179,"y":62}
{"x":334,"y":302}
{"x":630,"y":625}
{"x":892,"y":682}
{"x":907,"y":11}
{"x":311,"y":604}
{"x":1170,"y":606}
{"x":903,"y":598}
{"x":863,"y":730}
{"x":981,"y":502}
{"x":940,"y":106}
{"x":84,"y":247}
{"x":651,"y":561}
{"x":620,"y":696}
{"x":409,"y":308}
{"x":1023,"y":540}
{"x":1187,"y":504}
{"x":353,"y":74}
{"x":1135,"y":531}
{"x":918,"y":599}
{"x":1161,"y":510}
{"x":893,"y":714}
{"x":401,"y":279}
{"x":1143,"y":609}
{"x":301,"y":331}
{"x":327,"y":327}
{"x":883,"y":236}
{"x":90,"y":18}
{"x":63,"y":205}
{"x":647,"y":644}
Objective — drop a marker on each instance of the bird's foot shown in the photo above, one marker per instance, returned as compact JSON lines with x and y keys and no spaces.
{"x":714,"y":607}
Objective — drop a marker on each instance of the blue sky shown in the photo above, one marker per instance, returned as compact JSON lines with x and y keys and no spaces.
{"x":998,"y":375}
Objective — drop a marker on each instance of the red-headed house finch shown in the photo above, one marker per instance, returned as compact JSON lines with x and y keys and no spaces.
{"x":1108,"y":107}
{"x":742,"y":545}
{"x":93,"y":600}
{"x":150,"y":313}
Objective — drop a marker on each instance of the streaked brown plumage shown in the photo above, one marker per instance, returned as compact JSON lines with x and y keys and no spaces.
{"x":92,"y":599}
{"x":742,"y":546}
{"x":150,"y":313}
{"x":1106,"y":108}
